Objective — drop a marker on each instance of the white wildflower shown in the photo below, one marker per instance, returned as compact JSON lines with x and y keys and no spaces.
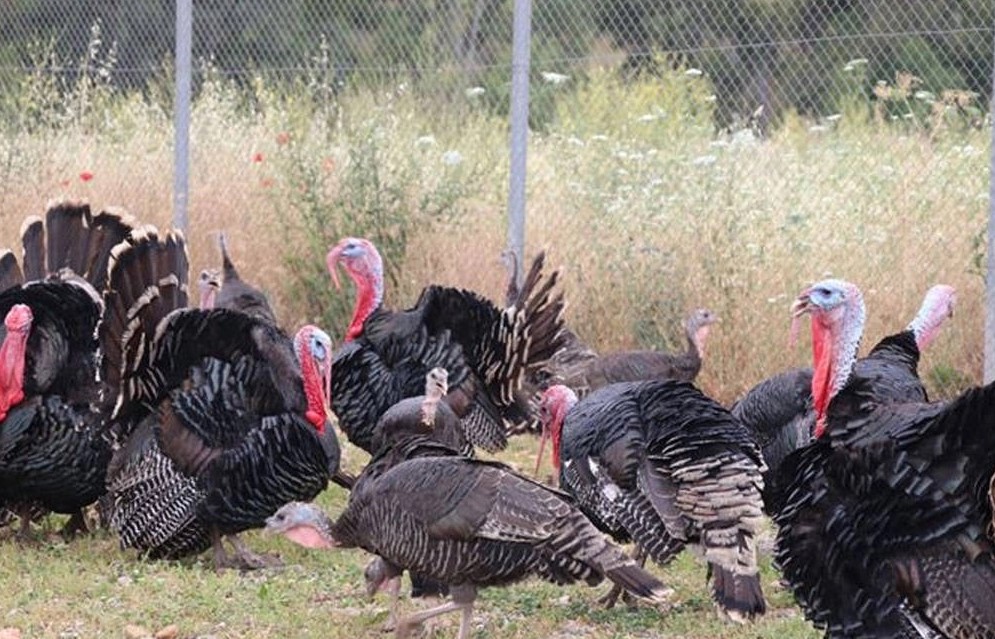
{"x":424,"y":141}
{"x":649,"y":117}
{"x":704,"y":160}
{"x":925,"y":96}
{"x":473,"y":92}
{"x":599,"y":138}
{"x":853,"y":64}
{"x":554,"y":78}
{"x":834,"y":117}
{"x":818,"y":128}
{"x":694,"y":73}
{"x":452,"y":157}
{"x":711,"y":98}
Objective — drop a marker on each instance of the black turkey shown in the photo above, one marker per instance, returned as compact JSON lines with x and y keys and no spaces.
{"x":239,"y":295}
{"x":780,"y":411}
{"x":665,"y":466}
{"x":469,"y":524}
{"x":487,"y":351}
{"x":54,"y":446}
{"x":883,"y":524}
{"x":221,"y":416}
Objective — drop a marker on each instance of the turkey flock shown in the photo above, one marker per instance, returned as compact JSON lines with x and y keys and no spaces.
{"x":179,"y":424}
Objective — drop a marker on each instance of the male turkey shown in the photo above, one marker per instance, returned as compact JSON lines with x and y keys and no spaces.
{"x":487,"y":351}
{"x":469,"y":524}
{"x":221,"y":416}
{"x":54,"y":447}
{"x":884,"y":516}
{"x":780,"y":411}
{"x":662,"y":464}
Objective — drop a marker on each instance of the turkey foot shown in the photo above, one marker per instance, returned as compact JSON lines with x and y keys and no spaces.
{"x":611,"y":598}
{"x":408,"y":624}
{"x":75,"y":526}
{"x":251,"y":560}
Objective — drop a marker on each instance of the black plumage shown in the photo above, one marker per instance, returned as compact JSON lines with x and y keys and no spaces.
{"x":883,"y":525}
{"x":664,"y":465}
{"x":487,"y":351}
{"x":54,"y":444}
{"x":218,"y":426}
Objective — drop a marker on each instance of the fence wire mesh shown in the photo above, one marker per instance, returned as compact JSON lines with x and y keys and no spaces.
{"x":719,"y":152}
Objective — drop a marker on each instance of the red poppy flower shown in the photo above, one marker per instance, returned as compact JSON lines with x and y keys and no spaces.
{"x":257,"y":157}
{"x":86,"y":176}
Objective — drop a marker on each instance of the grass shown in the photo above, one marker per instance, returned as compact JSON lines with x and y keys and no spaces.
{"x":90,"y":588}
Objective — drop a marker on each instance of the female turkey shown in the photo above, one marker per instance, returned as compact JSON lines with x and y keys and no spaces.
{"x":779,"y":410}
{"x":469,"y":524}
{"x":662,"y":464}
{"x":221,"y":416}
{"x":883,"y":526}
{"x":487,"y":351}
{"x":54,"y":446}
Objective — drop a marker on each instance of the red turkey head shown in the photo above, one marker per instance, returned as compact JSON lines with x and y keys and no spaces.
{"x":937,"y":306}
{"x":837,"y":310}
{"x":12,"y":357}
{"x":362,"y":262}
{"x":209,"y":285}
{"x":556,"y":402}
{"x":313,"y":348}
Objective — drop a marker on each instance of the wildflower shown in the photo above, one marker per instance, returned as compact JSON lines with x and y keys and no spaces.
{"x":693,"y":73}
{"x":452,"y":158}
{"x":86,"y":176}
{"x":853,"y":64}
{"x":282,"y":138}
{"x":554,"y":78}
{"x":257,"y":157}
{"x":704,"y":160}
{"x":834,"y":117}
{"x":473,"y":92}
{"x":424,"y":141}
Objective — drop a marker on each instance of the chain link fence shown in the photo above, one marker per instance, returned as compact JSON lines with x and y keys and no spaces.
{"x":718,"y":152}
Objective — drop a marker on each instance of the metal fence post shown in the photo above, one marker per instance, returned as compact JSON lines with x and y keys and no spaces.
{"x":181,"y":116}
{"x":990,"y":271}
{"x":520,"y":63}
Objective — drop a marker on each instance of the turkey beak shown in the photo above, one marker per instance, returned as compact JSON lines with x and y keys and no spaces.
{"x":332,"y":261}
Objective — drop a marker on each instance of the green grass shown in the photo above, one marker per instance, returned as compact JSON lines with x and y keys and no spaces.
{"x":90,"y":588}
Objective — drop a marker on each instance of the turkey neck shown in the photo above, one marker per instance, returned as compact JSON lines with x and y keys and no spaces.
{"x":369,"y":296}
{"x":12,"y":370}
{"x":834,"y":348}
{"x":312,"y":388}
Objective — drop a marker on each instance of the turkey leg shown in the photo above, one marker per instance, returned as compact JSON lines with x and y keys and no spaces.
{"x":76,"y":525}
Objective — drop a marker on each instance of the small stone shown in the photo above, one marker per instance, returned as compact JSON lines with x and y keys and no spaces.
{"x":169,"y":632}
{"x":10,"y":633}
{"x":132,"y":631}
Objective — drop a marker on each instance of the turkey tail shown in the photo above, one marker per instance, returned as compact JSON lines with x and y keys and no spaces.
{"x":66,"y":236}
{"x":228,"y":268}
{"x":33,"y":245}
{"x":10,"y":270}
{"x":529,"y":333}
{"x":639,"y":582}
{"x":957,"y":595}
{"x":147,"y":281}
{"x":737,"y":594}
{"x":107,"y":229}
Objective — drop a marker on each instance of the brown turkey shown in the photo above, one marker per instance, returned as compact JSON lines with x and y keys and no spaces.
{"x":883,"y":527}
{"x":661,"y":464}
{"x":487,"y":351}
{"x":779,"y":410}
{"x":54,"y":444}
{"x":467,"y":523}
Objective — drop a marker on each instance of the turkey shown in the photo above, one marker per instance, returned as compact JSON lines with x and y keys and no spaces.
{"x":54,"y":447}
{"x":469,"y":524}
{"x":487,"y":351}
{"x":634,"y":366}
{"x":660,"y":463}
{"x":883,"y":526}
{"x":779,"y":409}
{"x":221,"y":417}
